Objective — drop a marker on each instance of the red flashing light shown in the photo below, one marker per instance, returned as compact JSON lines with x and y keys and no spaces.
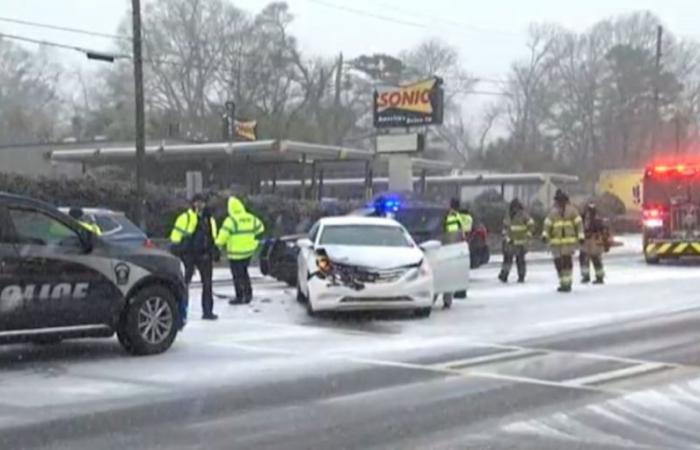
{"x":652,"y":213}
{"x":683,"y":169}
{"x":148,"y":243}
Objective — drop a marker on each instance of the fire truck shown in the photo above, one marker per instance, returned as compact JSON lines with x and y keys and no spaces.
{"x":671,"y":211}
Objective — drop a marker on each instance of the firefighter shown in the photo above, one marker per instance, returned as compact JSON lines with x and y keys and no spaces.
{"x":456,"y":228}
{"x":79,"y":215}
{"x":518,"y":228}
{"x":563,"y":229}
{"x":597,"y":242}
{"x":239,"y":236}
{"x":193,"y":240}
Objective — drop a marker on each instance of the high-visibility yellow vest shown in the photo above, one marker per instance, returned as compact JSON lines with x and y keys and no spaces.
{"x":93,"y":227}
{"x":454,"y":222}
{"x":186,"y":224}
{"x":467,"y":222}
{"x":563,"y":228}
{"x":239,"y":232}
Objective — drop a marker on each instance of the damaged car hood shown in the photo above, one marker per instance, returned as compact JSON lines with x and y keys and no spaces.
{"x":374,"y":257}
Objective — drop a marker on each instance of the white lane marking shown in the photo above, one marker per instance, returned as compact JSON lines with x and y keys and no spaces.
{"x":425,"y":368}
{"x":617,"y":374}
{"x":507,"y":355}
{"x":587,"y":355}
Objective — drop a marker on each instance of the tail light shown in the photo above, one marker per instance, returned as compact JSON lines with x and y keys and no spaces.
{"x":652,"y":218}
{"x":148,"y":243}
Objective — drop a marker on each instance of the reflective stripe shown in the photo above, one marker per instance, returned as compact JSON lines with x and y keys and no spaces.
{"x":239,"y":254}
{"x":650,"y":248}
{"x":680,"y":248}
{"x":185,"y":232}
{"x":696,"y":247}
{"x":664,"y":247}
{"x":564,"y":241}
{"x":518,"y":228}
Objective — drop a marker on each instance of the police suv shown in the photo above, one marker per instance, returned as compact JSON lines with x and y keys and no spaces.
{"x":59,"y":281}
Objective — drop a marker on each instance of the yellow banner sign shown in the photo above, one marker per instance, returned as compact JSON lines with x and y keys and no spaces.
{"x":247,"y":129}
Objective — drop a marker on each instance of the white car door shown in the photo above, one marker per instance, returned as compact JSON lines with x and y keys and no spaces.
{"x":450,"y":265}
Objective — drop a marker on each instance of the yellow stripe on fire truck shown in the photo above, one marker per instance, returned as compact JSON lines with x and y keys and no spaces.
{"x":673,"y":248}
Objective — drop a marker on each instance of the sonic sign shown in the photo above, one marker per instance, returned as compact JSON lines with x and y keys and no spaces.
{"x":419,"y":103}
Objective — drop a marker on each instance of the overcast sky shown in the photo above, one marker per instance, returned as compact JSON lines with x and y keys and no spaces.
{"x":490,"y":34}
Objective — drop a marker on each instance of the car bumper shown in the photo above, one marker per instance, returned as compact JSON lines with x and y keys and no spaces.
{"x":325,"y":296}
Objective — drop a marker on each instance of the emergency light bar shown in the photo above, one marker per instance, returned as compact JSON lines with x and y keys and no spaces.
{"x":683,"y":169}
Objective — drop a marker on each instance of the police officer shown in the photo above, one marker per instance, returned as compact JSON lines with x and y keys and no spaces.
{"x":78,"y":214}
{"x":563,"y":229}
{"x":518,"y":227}
{"x":455,"y":221}
{"x":456,"y":227}
{"x":597,"y":241}
{"x":467,"y":221}
{"x":193,"y":240}
{"x":239,"y":236}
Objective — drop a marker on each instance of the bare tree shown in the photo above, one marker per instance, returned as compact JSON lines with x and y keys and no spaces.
{"x":30,"y":106}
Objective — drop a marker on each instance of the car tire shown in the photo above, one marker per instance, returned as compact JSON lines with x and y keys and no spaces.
{"x":150,"y":323}
{"x":651,"y":260}
{"x":423,"y":313}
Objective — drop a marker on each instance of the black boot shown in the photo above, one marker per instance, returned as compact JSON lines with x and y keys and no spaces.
{"x":503,"y":277}
{"x":564,"y":288}
{"x":599,"y":280}
{"x":521,"y":279}
{"x":585,"y":279}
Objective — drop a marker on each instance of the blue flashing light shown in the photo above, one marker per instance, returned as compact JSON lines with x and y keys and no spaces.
{"x":387,"y":205}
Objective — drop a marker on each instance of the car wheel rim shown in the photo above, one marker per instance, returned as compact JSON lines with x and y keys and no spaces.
{"x":155,"y":320}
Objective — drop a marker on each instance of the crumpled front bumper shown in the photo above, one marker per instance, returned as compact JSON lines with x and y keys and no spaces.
{"x":327,"y":295}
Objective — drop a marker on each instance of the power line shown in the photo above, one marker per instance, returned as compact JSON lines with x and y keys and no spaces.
{"x":96,"y":52}
{"x":364,"y":13}
{"x":461,"y":25}
{"x":61,"y":28}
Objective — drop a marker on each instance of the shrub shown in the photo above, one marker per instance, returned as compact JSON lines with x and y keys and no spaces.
{"x":280,"y":215}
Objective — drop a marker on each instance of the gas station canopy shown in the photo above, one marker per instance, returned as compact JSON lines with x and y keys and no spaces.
{"x":266,"y":151}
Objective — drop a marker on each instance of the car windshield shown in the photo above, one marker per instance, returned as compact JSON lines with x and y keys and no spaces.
{"x":365,"y":235}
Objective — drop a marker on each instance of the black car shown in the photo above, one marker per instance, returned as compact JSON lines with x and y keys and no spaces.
{"x":60,"y":281}
{"x":115,"y":227}
{"x":423,"y":220}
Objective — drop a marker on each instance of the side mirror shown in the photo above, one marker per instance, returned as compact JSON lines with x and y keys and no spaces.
{"x":304,"y":243}
{"x":430,"y":245}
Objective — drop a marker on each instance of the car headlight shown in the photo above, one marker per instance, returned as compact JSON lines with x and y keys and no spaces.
{"x":422,"y":271}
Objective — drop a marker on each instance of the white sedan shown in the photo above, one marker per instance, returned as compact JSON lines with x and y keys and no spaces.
{"x":371,"y":263}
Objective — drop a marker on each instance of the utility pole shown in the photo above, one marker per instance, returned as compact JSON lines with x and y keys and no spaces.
{"x":657,"y":77}
{"x":139,"y":114}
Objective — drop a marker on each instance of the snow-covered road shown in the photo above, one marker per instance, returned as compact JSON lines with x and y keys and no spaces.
{"x":272,"y":342}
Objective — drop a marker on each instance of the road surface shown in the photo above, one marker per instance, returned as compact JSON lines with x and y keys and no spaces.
{"x":512,"y":367}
